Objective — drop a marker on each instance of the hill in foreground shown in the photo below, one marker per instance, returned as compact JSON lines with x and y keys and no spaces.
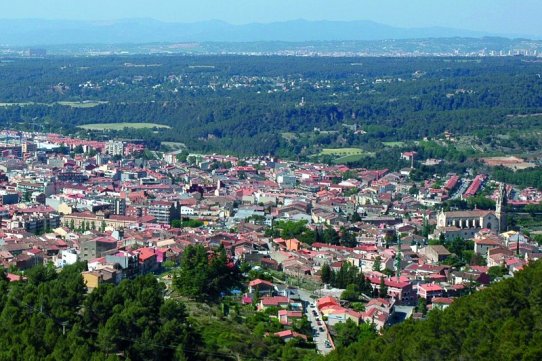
{"x":503,"y":322}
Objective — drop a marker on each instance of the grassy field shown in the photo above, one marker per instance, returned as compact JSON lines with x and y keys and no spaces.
{"x":341,"y":151}
{"x":345,"y":155}
{"x":393,"y":144}
{"x":85,"y":104}
{"x":353,"y":158}
{"x":119,"y":126}
{"x":17,"y":104}
{"x":174,"y":145}
{"x":288,"y":135}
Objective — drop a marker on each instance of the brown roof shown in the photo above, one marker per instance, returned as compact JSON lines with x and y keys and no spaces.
{"x":468,"y":214}
{"x":440,"y":249}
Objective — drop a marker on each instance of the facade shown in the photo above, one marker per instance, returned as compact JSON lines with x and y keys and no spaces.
{"x":8,"y":198}
{"x":164,"y":212}
{"x":435,"y":253}
{"x":34,"y":222}
{"x":29,"y":187}
{"x":94,"y":248}
{"x":96,"y":221}
{"x":114,"y":148}
{"x":119,"y":206}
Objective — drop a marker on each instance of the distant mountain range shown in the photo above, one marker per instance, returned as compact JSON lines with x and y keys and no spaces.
{"x":35,"y":32}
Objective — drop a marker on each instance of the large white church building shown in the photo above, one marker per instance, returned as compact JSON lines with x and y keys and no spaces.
{"x":466,"y":224}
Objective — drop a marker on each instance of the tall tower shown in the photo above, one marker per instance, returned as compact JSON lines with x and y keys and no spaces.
{"x":398,"y":258}
{"x":500,"y":203}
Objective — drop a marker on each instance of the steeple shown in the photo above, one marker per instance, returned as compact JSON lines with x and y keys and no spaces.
{"x":398,"y":257}
{"x":500,"y":203}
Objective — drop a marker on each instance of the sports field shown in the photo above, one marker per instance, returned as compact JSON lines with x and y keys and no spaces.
{"x":119,"y":126}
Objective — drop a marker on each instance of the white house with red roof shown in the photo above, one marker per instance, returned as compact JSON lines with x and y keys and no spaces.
{"x":430,"y":290}
{"x":378,"y":311}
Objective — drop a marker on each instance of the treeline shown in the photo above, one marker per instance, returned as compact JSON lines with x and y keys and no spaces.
{"x":501,"y":322}
{"x":245,"y":105}
{"x":531,"y":177}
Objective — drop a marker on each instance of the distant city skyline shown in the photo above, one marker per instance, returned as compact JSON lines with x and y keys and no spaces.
{"x":491,"y":16}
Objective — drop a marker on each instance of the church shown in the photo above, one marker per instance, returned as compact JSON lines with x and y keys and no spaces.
{"x":466,"y":224}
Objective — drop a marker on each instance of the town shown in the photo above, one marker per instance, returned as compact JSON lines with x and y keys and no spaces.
{"x":319,"y":245}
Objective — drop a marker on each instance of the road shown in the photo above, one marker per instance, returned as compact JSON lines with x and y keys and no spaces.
{"x":461,"y":189}
{"x":318,"y":337}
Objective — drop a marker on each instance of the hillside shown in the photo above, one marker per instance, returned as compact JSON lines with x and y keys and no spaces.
{"x":503,"y":322}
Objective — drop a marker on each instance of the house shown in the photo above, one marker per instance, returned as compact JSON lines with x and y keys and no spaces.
{"x":292,"y":244}
{"x":287,"y":317}
{"x":429,"y":290}
{"x":483,"y":245}
{"x":15,"y":278}
{"x":262,"y":286}
{"x":377,"y":312}
{"x":93,"y":279}
{"x":276,"y":301}
{"x":289,"y":335}
{"x":435,"y":253}
{"x":441,"y":303}
{"x":471,"y":276}
{"x":66,"y":257}
{"x":326,"y":302}
{"x":341,"y":314}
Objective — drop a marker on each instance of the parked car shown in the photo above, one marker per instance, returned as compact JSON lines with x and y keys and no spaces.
{"x":321,"y":329}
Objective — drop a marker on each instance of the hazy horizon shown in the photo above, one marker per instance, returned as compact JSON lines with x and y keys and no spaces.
{"x":490,"y":16}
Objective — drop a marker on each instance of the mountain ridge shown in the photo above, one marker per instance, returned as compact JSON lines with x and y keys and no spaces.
{"x":35,"y":32}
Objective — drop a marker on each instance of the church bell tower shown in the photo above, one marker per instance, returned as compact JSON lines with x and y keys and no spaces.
{"x":499,"y":212}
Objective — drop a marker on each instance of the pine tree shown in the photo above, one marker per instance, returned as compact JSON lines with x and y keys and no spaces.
{"x":326,"y":273}
{"x":383,"y":289}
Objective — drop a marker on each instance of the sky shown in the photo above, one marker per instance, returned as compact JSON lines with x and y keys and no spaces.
{"x":520,"y":17}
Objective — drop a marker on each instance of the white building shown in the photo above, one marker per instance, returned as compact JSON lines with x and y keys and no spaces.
{"x":66,"y":257}
{"x":114,"y":148}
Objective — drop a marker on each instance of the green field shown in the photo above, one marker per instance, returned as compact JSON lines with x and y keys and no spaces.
{"x":17,"y":104}
{"x":345,"y":155}
{"x":84,"y":104}
{"x":288,"y":135}
{"x":120,"y":126}
{"x":174,"y":145}
{"x":341,"y":151}
{"x":394,"y":144}
{"x":353,"y":158}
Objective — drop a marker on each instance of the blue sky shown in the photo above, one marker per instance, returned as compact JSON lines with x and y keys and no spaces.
{"x":496,"y":16}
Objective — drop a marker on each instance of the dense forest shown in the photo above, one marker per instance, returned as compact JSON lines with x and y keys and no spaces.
{"x":288,"y":106}
{"x":50,"y":316}
{"x":502,"y":322}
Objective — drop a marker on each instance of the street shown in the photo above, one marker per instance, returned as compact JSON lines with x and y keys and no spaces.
{"x":319,"y":337}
